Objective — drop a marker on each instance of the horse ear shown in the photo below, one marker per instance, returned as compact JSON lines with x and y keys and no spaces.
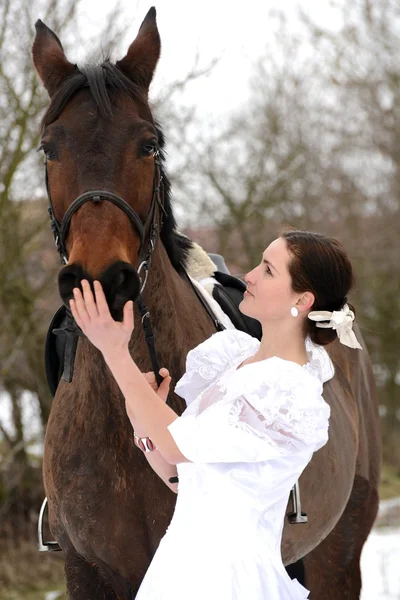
{"x":140,"y":62}
{"x":49,"y":59}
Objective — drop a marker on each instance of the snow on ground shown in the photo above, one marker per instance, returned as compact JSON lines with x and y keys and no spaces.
{"x":380,"y":565}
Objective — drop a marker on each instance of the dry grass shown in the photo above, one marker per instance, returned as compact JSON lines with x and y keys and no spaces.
{"x":29,"y":574}
{"x":390,"y":483}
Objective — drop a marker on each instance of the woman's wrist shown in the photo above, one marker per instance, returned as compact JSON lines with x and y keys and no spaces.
{"x":118,"y":356}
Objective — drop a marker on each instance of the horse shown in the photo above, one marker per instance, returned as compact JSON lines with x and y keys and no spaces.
{"x":109,"y":189}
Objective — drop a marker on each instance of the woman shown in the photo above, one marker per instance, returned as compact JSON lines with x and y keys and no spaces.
{"x":254,"y":417}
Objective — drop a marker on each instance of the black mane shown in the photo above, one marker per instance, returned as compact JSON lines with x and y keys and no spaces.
{"x":103,"y":81}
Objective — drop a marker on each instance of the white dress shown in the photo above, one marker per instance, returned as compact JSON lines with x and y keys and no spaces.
{"x":249,"y":433}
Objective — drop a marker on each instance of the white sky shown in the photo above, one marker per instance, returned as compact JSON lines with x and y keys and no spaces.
{"x":231,"y":30}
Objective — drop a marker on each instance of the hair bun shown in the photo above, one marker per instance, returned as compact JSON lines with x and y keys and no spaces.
{"x":319,"y":264}
{"x":321,"y":336}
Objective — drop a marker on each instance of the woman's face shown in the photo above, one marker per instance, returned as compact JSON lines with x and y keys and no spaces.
{"x":269,"y":295}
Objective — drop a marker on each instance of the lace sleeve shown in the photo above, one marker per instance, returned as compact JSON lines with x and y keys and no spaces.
{"x":287,"y":420}
{"x":258,"y":426}
{"x":205,"y":362}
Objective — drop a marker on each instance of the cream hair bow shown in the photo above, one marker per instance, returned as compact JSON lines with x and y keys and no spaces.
{"x":341,"y":320}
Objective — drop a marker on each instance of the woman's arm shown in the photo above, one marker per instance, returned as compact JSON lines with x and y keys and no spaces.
{"x":163,"y":469}
{"x":160,"y":466}
{"x":144,"y":408}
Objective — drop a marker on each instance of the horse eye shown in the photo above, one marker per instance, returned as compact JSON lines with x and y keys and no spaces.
{"x":49,"y":154}
{"x":148,"y":149}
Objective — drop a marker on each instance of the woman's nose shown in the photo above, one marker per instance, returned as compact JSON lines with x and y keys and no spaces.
{"x":249,"y":277}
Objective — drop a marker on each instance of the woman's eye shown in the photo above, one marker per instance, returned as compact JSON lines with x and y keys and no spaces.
{"x":268,"y":270}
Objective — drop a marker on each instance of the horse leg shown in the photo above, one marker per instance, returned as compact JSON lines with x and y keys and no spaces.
{"x":327,"y":581}
{"x":332,"y":569}
{"x":84,"y":581}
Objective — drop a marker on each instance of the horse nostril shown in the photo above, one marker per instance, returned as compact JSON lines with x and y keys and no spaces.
{"x":120,"y":279}
{"x":68,"y":278}
{"x":122,"y":284}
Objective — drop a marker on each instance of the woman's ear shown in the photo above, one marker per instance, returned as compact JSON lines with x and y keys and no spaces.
{"x":306,"y":301}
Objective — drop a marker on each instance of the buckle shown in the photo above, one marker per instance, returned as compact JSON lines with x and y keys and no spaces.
{"x":143,"y":265}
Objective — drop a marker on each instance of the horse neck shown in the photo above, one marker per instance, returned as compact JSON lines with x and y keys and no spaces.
{"x":179,"y":320}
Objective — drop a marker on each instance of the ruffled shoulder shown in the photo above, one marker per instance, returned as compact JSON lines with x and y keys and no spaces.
{"x":273,"y":373}
{"x":287,"y":400}
{"x":210,"y":358}
{"x":320,"y":364}
{"x":269,"y":409}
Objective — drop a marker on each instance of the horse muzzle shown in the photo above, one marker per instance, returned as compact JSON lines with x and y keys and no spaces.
{"x":120,"y":283}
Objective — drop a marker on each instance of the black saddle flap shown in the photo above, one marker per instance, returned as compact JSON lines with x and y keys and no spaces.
{"x":60,"y":348}
{"x":54,"y":350}
{"x":229,"y":295}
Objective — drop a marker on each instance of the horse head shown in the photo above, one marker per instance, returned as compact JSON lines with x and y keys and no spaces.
{"x":107,"y":187}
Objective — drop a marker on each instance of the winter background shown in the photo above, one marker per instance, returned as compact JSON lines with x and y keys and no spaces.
{"x":234,"y":32}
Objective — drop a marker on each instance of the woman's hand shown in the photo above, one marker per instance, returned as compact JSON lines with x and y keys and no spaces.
{"x":93,"y":316}
{"x":163,"y":389}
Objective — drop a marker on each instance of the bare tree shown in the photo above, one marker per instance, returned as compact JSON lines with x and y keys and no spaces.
{"x":318,"y":147}
{"x":27,"y":271}
{"x":363,"y":70}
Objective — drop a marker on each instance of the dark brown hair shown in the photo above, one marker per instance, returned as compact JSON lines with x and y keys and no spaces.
{"x":319,"y":265}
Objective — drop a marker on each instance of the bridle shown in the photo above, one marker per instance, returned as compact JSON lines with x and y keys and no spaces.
{"x":149,"y":229}
{"x":60,"y":230}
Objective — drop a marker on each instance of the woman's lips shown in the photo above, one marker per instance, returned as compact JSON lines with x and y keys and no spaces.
{"x":247,"y":293}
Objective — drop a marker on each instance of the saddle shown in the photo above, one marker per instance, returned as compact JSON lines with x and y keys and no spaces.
{"x":62,"y":335}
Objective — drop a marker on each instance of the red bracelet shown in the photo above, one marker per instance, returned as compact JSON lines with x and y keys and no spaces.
{"x":145,"y":444}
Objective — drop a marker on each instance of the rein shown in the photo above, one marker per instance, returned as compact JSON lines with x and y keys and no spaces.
{"x":60,"y":233}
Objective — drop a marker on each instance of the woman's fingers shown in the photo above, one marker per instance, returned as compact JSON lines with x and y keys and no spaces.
{"x":75,"y":314}
{"x":80,"y":306}
{"x":128,"y":321}
{"x":90,"y":303}
{"x":101,"y":301}
{"x":150,"y":377}
{"x":151,"y":380}
{"x":164,"y":388}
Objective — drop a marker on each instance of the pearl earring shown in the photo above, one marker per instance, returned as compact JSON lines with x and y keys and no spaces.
{"x":294,"y":311}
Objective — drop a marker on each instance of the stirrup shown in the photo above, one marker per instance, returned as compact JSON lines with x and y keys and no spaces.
{"x":296,"y":516}
{"x":42,"y":545}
